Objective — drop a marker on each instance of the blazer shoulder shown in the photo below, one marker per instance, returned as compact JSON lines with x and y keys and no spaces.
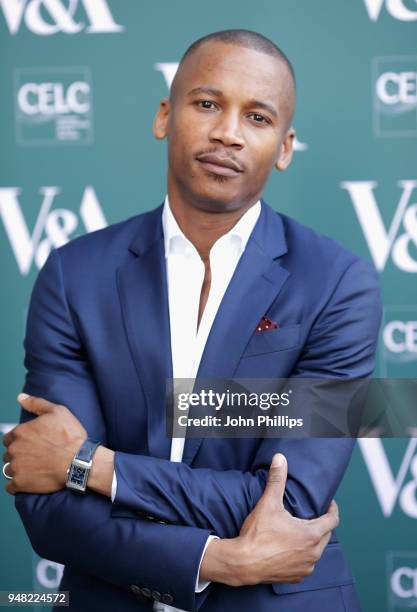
{"x":105,"y":246}
{"x":313,"y":250}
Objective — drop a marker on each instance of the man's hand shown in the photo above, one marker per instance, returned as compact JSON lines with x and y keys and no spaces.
{"x":41,"y":450}
{"x":273,"y":546}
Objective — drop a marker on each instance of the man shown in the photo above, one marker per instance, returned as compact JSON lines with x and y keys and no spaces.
{"x":180,"y":292}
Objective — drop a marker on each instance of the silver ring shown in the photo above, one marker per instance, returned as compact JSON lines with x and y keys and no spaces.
{"x":4,"y":471}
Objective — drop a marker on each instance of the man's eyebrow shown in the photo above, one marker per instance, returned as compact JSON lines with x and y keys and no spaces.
{"x":206,"y":90}
{"x":218,"y":93}
{"x":265,"y":105}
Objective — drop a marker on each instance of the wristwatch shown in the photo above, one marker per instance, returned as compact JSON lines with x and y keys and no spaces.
{"x":80,"y":466}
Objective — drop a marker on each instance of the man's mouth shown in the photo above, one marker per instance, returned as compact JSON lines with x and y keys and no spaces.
{"x":218,"y":164}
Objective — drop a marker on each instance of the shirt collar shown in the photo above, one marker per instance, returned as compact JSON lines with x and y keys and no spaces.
{"x":240,"y":233}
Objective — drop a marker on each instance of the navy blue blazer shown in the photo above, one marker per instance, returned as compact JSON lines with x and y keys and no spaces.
{"x":98,"y":341}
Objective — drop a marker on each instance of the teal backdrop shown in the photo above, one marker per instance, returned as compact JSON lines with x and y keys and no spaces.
{"x":80,"y":83}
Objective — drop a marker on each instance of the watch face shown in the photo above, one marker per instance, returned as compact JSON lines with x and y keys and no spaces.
{"x":77,"y":475}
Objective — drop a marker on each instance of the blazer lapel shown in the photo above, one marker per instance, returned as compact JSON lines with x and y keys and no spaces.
{"x":256,"y":283}
{"x":143,"y":296}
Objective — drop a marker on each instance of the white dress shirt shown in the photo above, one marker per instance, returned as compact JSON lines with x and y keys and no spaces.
{"x":185,"y":276}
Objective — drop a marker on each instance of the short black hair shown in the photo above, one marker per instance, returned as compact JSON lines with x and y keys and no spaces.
{"x":244,"y":38}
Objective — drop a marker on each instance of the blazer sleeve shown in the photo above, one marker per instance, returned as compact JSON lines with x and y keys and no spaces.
{"x":79,"y":530}
{"x":341,"y":344}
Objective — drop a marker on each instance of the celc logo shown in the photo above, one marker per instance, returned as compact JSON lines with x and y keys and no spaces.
{"x":402,"y":580}
{"x":395,"y":96}
{"x":53,"y":98}
{"x":169,"y":69}
{"x":392,"y":489}
{"x":47,"y":17}
{"x":53,"y":106}
{"x":401,"y":337}
{"x":397,"y":88}
{"x":52,"y":229}
{"x":400,"y":238}
{"x":396,"y":8}
{"x":399,"y":342}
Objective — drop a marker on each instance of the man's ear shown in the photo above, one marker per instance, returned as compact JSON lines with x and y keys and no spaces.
{"x":285,"y":154}
{"x":160,"y":123}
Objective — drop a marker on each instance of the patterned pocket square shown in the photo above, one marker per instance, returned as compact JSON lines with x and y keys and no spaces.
{"x":266,"y":324}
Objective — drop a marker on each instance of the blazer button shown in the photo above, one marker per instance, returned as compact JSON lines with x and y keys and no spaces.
{"x":135,"y":589}
{"x":156,"y":595}
{"x":146,"y":592}
{"x":167,"y":599}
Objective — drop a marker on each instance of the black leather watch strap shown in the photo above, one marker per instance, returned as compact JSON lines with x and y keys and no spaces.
{"x":87,"y":450}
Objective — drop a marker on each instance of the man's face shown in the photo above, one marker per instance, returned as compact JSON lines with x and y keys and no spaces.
{"x":227,"y":125}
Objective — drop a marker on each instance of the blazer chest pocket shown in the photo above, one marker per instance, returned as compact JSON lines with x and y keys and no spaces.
{"x":270,"y":341}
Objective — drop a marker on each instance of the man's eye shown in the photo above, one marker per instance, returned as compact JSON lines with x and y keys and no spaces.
{"x":206,"y":104}
{"x":259,"y":118}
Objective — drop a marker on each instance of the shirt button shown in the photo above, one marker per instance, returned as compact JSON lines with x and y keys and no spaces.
{"x":146,"y":592}
{"x":156,"y":595}
{"x":135,"y":589}
{"x":167,"y":599}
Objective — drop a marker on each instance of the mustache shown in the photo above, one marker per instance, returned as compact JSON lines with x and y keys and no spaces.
{"x":222,"y":153}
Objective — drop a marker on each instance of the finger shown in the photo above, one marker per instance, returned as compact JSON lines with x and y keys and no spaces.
{"x":8,"y":437}
{"x":323,"y":543}
{"x":334,"y":512}
{"x":329,"y":521}
{"x":10,"y":488}
{"x":35,"y":405}
{"x":277,"y":478}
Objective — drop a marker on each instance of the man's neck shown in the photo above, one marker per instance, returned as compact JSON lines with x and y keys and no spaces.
{"x":203,"y":228}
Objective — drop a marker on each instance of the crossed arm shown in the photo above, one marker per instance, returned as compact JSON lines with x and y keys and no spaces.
{"x":193,"y":502}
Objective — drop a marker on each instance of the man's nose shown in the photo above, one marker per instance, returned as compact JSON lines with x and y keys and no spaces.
{"x":227,"y":130}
